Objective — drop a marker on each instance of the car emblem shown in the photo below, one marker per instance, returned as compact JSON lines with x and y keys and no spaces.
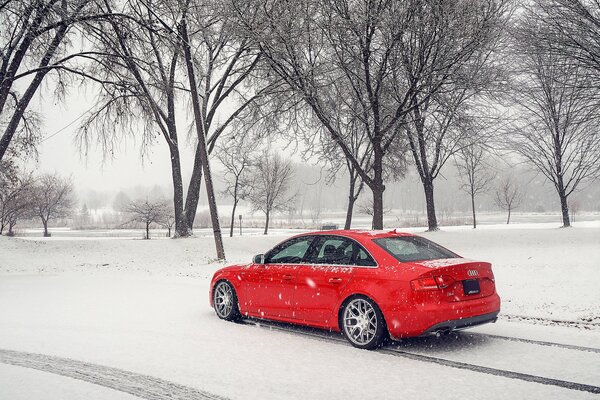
{"x":472,"y":272}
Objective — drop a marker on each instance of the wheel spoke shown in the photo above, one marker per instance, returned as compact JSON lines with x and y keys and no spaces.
{"x":223,"y":299}
{"x":360,"y":321}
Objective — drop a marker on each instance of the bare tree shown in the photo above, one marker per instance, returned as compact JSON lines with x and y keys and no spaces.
{"x":272,"y":179}
{"x":137,"y":66}
{"x":440,"y":112}
{"x":570,"y":28}
{"x":168,"y":222}
{"x":16,"y":200}
{"x":146,"y":53}
{"x":375,"y":54}
{"x":236,"y":158}
{"x":148,"y":213}
{"x":508,"y":196}
{"x":556,"y":125}
{"x":471,"y":165}
{"x":53,"y":199}
{"x":37,"y":39}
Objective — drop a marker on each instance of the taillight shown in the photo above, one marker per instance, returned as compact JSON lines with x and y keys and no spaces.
{"x":428,"y":283}
{"x":444,"y":281}
{"x":432,"y":283}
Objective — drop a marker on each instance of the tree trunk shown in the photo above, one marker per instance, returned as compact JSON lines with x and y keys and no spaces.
{"x":11,"y":232}
{"x":45,"y":223}
{"x":473,"y":208}
{"x":377,"y":222}
{"x":430,"y":204}
{"x":147,"y":230}
{"x":377,"y":188}
{"x":266,"y":224}
{"x":199,"y":123}
{"x":193,"y":193}
{"x":508,"y":219}
{"x":349,"y":211}
{"x":181,"y":226}
{"x":564,"y":205}
{"x":232,"y":218}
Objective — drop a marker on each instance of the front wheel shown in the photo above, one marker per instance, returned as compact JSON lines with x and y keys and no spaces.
{"x":225,"y":301}
{"x":362,"y":323}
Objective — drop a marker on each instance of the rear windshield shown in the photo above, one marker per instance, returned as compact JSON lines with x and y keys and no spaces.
{"x":413,"y":248}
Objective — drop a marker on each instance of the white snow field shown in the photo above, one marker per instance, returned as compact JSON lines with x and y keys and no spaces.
{"x":124,"y":318}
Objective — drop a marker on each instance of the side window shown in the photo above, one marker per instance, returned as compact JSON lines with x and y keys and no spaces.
{"x":290,"y":252}
{"x":363,"y":258}
{"x":341,"y":251}
{"x":335,"y":251}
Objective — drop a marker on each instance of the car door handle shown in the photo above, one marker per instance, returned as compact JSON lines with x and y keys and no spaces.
{"x":335,"y":280}
{"x":288,"y":277}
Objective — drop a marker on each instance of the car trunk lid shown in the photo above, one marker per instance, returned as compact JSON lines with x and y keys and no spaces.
{"x":460,"y":279}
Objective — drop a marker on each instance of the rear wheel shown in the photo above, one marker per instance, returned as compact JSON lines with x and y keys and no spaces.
{"x":225,"y":301}
{"x":362,"y":323}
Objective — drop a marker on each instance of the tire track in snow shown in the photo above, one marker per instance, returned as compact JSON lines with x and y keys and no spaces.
{"x":550,"y":321}
{"x":326,"y":336}
{"x":494,"y":371}
{"x":538,"y":342}
{"x":143,"y":386}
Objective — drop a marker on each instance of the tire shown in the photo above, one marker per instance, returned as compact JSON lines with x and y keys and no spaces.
{"x":225,"y":301}
{"x":362,"y":323}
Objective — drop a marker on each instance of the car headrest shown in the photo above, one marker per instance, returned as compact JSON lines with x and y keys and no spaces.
{"x":329,"y":250}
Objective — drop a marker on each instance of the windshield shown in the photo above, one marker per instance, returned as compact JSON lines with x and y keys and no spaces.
{"x":413,"y":248}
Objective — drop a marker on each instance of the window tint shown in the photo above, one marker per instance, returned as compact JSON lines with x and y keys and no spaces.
{"x":363,"y":259}
{"x":290,"y":252}
{"x":337,"y":251}
{"x":341,"y":251}
{"x":413,"y":248}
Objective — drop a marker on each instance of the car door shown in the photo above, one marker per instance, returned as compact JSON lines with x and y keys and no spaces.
{"x":320,"y":284}
{"x":270,"y":287}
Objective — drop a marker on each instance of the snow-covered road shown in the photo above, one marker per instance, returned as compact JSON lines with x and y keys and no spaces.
{"x":146,"y":313}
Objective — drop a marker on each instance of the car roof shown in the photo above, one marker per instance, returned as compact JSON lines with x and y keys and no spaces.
{"x":359,"y":234}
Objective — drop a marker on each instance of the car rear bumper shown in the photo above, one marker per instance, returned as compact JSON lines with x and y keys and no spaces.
{"x":429,"y":318}
{"x":462,"y":323}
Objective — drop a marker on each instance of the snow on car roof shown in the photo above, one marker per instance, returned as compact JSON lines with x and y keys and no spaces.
{"x":363,"y":233}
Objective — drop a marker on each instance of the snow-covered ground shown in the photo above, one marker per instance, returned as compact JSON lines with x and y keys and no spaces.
{"x":142,"y":307}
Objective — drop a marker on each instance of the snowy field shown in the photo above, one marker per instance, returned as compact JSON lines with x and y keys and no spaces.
{"x":123,"y":318}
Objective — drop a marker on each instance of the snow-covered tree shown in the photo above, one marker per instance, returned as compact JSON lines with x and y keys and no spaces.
{"x":272,"y":179}
{"x":148,"y":212}
{"x":53,"y":199}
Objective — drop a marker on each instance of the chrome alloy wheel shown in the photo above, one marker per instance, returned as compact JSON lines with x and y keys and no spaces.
{"x":223,"y":299}
{"x":360,"y":322}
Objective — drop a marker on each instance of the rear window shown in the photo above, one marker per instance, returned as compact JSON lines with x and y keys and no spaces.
{"x":413,"y":248}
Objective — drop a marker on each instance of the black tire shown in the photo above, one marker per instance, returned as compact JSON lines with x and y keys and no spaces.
{"x":225,"y":301}
{"x":368,"y":332}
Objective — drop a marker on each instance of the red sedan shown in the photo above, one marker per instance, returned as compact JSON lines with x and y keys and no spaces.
{"x":366,"y":284}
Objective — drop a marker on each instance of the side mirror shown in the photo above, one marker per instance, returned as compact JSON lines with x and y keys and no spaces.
{"x":259,"y":259}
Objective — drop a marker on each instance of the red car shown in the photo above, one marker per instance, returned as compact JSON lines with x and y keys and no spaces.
{"x":366,"y":284}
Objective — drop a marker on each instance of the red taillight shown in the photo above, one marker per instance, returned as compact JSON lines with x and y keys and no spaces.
{"x":428,"y":283}
{"x":444,"y":281}
{"x":432,"y":283}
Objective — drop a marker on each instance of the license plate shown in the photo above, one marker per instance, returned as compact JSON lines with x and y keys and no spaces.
{"x":471,"y":286}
